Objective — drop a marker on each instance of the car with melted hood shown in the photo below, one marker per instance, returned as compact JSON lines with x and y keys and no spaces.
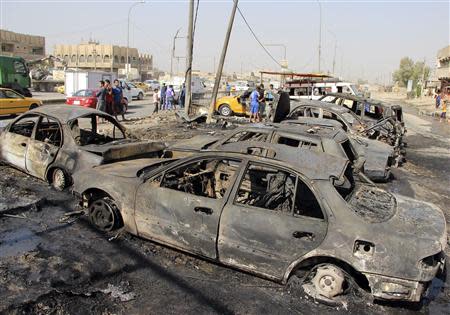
{"x":297,"y":211}
{"x":53,"y":142}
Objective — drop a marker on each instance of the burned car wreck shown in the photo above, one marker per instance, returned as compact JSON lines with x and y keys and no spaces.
{"x":52,"y":143}
{"x":273,"y":214}
{"x":372,"y":160}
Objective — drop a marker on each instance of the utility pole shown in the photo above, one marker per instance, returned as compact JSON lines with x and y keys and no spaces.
{"x":173,"y":52}
{"x":190,"y":48}
{"x":221,"y":63}
{"x":423,"y":78}
{"x":320,"y":32}
{"x":128,"y":65}
{"x":335,"y":48}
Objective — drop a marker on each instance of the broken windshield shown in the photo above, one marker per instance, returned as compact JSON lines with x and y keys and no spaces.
{"x":95,"y":129}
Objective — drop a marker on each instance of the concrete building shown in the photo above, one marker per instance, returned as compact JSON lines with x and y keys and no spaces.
{"x":29,"y":47}
{"x":443,"y":67}
{"x":96,"y":56}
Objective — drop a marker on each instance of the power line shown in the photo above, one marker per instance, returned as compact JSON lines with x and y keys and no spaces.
{"x":256,"y":38}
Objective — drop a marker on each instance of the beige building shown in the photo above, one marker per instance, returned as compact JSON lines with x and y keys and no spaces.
{"x":29,"y":47}
{"x":92,"y":55}
{"x":443,"y":67}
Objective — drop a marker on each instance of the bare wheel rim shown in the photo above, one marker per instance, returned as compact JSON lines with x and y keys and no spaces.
{"x":102,"y":215}
{"x":225,"y":110}
{"x":59,"y":179}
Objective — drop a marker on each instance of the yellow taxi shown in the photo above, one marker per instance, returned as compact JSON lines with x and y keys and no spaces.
{"x":144,"y":87}
{"x":232,"y":105}
{"x":12,"y":102}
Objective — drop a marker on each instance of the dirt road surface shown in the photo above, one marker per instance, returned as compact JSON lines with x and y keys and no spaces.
{"x":51,"y":263}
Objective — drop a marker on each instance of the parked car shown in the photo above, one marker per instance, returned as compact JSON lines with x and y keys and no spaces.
{"x":152,"y":84}
{"x":298,"y":212}
{"x":54,"y":142}
{"x":12,"y":103}
{"x":86,"y":98}
{"x":369,"y":109}
{"x":232,"y":105}
{"x":131,"y":91}
{"x":239,"y":86}
{"x":373,"y":160}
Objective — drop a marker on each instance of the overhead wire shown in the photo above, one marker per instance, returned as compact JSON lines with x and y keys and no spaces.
{"x":256,"y":37}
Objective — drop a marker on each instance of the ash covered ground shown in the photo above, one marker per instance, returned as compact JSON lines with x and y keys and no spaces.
{"x":55,"y":263}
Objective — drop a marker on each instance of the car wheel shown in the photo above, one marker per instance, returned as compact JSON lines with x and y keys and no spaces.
{"x":225,"y":110}
{"x":59,"y":179}
{"x":140,"y":96}
{"x":33,"y":106}
{"x":104,"y":214}
{"x":328,"y":281}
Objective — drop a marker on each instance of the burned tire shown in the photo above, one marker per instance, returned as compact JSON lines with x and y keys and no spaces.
{"x":60,"y":179}
{"x":104,"y":215}
{"x":225,"y":110}
{"x":33,"y":106}
{"x":140,"y":96}
{"x":328,"y":281}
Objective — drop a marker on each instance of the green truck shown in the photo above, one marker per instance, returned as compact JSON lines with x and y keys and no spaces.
{"x":14,"y":74}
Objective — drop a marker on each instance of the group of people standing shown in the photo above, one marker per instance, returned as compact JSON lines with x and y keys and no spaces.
{"x":110,"y":99}
{"x":260,"y":102}
{"x":165,"y":98}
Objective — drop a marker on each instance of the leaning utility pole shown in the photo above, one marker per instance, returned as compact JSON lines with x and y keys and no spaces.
{"x":190,"y":48}
{"x":173,"y":53}
{"x":221,"y":63}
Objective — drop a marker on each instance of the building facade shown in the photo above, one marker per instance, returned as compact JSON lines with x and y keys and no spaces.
{"x":443,"y":67}
{"x":104,"y":57}
{"x":29,"y":47}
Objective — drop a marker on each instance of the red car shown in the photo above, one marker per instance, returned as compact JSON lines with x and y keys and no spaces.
{"x":86,"y":98}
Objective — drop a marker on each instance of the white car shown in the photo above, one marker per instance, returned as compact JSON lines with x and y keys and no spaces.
{"x":152,"y":84}
{"x":131,"y":91}
{"x":239,"y":86}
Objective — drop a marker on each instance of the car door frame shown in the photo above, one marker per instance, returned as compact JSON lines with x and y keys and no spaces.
{"x":277,"y":274}
{"x":45,"y":150}
{"x":158,"y":234}
{"x":7,"y":134}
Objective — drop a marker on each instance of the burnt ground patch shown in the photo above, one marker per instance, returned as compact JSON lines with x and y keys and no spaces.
{"x":53,"y":266}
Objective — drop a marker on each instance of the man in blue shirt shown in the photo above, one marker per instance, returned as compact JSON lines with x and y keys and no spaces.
{"x":254,"y":105}
{"x":118,"y":107}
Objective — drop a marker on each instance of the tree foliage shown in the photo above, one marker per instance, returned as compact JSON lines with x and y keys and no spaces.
{"x":410,"y":70}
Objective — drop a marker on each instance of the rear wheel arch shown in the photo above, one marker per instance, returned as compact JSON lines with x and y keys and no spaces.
{"x":33,"y":106}
{"x":311,"y":262}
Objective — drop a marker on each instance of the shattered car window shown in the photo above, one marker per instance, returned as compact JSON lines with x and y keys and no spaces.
{"x":86,"y":130}
{"x":247,"y":136}
{"x":268,"y":188}
{"x":205,"y":178}
{"x":48,"y":131}
{"x":25,"y":125}
{"x":306,"y":203}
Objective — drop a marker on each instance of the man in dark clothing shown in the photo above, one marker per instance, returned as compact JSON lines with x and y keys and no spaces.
{"x":118,"y":99}
{"x":182,"y":95}
{"x":101,"y":97}
{"x":162,"y":100}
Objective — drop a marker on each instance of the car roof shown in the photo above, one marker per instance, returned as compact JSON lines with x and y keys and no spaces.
{"x":324,"y":105}
{"x":361,"y":99}
{"x":296,"y":129}
{"x":66,"y":113}
{"x":312,"y":121}
{"x":314,"y":165}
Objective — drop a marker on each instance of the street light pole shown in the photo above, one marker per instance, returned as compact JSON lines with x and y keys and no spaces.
{"x":173,"y":52}
{"x":320,"y":31}
{"x":128,"y":36}
{"x":335,"y":48}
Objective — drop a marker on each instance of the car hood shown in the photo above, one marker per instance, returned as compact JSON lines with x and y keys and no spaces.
{"x":196,"y":143}
{"x":129,"y":169}
{"x":125,"y":149}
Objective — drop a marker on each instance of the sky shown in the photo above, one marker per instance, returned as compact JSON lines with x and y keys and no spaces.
{"x":370,"y":36}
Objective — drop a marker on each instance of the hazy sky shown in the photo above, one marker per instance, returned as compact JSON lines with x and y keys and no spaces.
{"x":371,"y":36}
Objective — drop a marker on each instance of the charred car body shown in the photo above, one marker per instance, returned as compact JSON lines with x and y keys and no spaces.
{"x":369,"y":109}
{"x":372,"y":160}
{"x":299,"y":210}
{"x":53,"y":142}
{"x":349,"y":121}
